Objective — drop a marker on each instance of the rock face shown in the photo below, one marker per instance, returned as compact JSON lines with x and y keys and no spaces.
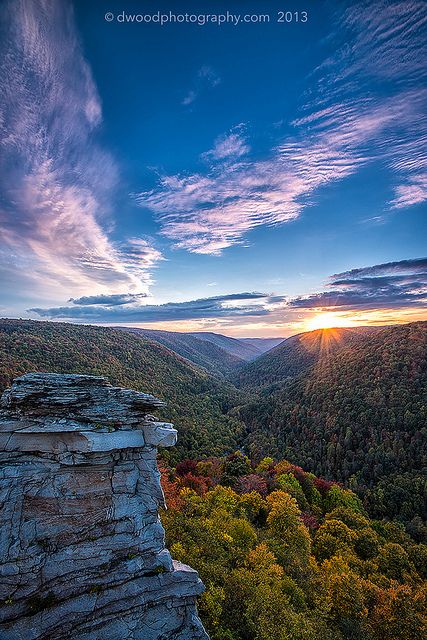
{"x":82,"y":550}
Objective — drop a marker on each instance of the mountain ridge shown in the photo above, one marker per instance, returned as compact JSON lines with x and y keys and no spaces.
{"x":359,"y":415}
{"x":296,"y":354}
{"x":201,"y":352}
{"x":242,"y":350}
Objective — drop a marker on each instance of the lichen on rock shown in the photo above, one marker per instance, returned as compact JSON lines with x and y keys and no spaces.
{"x":82,"y":550}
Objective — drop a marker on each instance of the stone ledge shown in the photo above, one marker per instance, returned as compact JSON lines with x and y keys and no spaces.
{"x":82,"y":548}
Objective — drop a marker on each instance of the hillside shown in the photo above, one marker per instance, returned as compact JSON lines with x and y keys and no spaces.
{"x":262,"y":344}
{"x":202,"y":352}
{"x":234,"y":346}
{"x":295,"y":355}
{"x":197,"y":402}
{"x":350,"y":405}
{"x":357,"y":416}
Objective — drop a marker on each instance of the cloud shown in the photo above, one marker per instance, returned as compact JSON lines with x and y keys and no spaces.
{"x":57,"y":183}
{"x":384,"y":42}
{"x":214,"y":307}
{"x":399,"y":44}
{"x":109,"y":300}
{"x":415,"y":265}
{"x":346,"y":125}
{"x":390,"y":285}
{"x":413,"y":192}
{"x":207,"y":78}
{"x":231,"y":147}
{"x":189,"y":98}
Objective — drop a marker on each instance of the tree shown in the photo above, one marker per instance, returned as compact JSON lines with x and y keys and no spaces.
{"x":289,"y":538}
{"x":393,"y":561}
{"x":400,"y":613}
{"x":332,"y":538}
{"x":235,"y":466}
{"x":251,"y":482}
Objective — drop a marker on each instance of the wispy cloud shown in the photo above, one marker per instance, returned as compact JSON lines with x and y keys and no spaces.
{"x":390,"y":285}
{"x":385,"y":42}
{"x":346,"y":125}
{"x":57,"y":183}
{"x":231,"y":305}
{"x":206,"y":78}
{"x":228,"y":147}
{"x":414,"y":191}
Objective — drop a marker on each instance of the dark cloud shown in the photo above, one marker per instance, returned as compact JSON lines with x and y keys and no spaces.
{"x":392,"y":284}
{"x":111,"y":300}
{"x":382,"y":281}
{"x":350,"y":300}
{"x":173,"y":311}
{"x":417,"y":265}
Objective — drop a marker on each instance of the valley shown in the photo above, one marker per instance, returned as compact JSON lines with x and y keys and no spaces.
{"x":347,"y":404}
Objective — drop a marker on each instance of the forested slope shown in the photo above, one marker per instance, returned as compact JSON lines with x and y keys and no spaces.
{"x":202,"y":352}
{"x":297,"y":354}
{"x":287,"y":555}
{"x":197,"y":402}
{"x":358,"y":415}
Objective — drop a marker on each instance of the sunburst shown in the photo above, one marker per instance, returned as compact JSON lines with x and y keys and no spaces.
{"x":327,"y":320}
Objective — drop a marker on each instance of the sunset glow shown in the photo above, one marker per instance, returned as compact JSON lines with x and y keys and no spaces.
{"x":196,"y":196}
{"x":327,"y":321}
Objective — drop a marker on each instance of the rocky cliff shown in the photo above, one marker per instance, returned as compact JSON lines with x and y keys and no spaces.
{"x":82,"y":550}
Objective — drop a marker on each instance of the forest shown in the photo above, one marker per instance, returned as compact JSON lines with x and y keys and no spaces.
{"x":285,"y":554}
{"x":347,"y":405}
{"x":358,"y":415}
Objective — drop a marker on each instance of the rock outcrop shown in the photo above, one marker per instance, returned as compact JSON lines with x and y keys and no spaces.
{"x":82,"y":552}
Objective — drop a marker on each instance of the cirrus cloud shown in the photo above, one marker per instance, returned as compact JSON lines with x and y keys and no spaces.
{"x":57,"y":182}
{"x":345,"y":127}
{"x":206,"y":78}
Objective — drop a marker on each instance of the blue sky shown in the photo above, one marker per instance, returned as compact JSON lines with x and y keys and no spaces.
{"x":247,"y":179}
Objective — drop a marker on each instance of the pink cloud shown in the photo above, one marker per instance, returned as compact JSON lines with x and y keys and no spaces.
{"x":57,"y":183}
{"x":208,"y":213}
{"x":346,"y":126}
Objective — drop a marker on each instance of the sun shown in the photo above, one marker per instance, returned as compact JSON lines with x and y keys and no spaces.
{"x":327,"y":321}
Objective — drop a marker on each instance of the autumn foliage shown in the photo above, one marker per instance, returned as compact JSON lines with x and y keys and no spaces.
{"x":285,"y":555}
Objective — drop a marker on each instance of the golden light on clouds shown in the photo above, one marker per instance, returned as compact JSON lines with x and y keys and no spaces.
{"x":283,"y":323}
{"x":320,"y":319}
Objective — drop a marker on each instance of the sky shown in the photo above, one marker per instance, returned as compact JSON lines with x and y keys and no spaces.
{"x":234,"y":169}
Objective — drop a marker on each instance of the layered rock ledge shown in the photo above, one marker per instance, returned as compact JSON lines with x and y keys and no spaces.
{"x":82,"y":551}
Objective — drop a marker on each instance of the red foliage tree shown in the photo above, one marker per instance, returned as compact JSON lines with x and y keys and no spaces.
{"x":186,"y":466}
{"x":199,"y":484}
{"x":323,"y":485}
{"x":310,"y":521}
{"x":252,"y":482}
{"x":170,"y":488}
